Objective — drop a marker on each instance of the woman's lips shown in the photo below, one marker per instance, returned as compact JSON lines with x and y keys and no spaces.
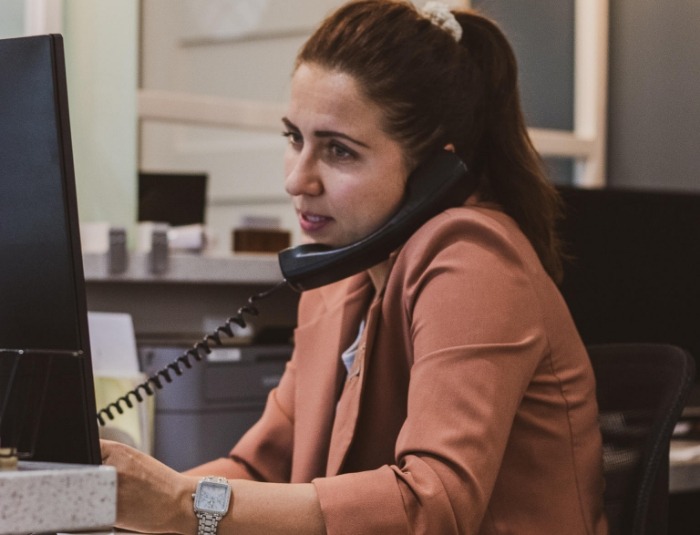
{"x":310,"y":222}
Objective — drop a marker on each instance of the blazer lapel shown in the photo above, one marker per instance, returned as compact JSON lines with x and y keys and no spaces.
{"x":348,"y":407}
{"x":320,"y":378}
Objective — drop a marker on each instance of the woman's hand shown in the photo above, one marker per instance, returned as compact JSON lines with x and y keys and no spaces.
{"x":151,"y":497}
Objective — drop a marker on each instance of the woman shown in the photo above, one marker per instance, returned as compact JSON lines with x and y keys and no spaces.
{"x":445,"y":390}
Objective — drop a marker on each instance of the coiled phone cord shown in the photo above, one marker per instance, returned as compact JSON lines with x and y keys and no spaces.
{"x":199,"y":351}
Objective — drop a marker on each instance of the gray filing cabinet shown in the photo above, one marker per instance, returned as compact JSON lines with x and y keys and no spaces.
{"x":201,"y":414}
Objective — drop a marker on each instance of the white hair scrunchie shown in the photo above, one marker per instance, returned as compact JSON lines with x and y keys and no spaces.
{"x":440,"y":15}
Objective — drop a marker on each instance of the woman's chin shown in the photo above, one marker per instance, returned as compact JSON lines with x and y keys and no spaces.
{"x":308,"y":240}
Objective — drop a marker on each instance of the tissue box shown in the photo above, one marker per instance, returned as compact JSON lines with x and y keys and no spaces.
{"x":260,"y":240}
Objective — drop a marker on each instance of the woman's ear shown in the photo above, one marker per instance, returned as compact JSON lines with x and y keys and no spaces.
{"x":450,"y":147}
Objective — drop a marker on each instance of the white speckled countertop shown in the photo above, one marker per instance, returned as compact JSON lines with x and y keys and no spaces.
{"x":41,"y":497}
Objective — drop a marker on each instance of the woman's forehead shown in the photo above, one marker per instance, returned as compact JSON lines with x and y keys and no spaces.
{"x":332,"y":96}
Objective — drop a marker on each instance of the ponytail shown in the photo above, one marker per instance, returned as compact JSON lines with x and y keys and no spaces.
{"x":512,"y":171}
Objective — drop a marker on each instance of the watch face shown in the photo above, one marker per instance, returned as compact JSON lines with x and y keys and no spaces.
{"x":212,"y":497}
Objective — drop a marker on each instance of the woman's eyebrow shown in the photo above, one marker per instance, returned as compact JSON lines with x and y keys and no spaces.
{"x":289,"y":124}
{"x":333,"y":133}
{"x":325,"y":133}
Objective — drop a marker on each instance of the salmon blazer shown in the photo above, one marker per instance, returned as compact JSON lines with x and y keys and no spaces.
{"x":470,"y":406}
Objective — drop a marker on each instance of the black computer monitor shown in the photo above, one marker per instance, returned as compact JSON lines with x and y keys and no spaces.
{"x":46,"y":384}
{"x":173,"y":198}
{"x":634,"y":275}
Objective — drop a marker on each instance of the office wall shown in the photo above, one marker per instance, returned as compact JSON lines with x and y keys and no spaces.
{"x":654,"y":138}
{"x":101,"y":39}
{"x":12,"y":18}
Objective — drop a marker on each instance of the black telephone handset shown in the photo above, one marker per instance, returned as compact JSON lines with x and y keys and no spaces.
{"x":440,"y":182}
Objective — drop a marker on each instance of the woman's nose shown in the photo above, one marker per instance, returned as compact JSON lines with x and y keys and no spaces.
{"x":302,"y":176}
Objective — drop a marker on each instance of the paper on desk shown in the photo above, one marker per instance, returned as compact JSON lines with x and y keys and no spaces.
{"x":135,"y":426}
{"x":116,"y":371}
{"x":113,"y":344}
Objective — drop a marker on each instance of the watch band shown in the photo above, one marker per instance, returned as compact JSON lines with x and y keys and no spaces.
{"x":208,"y":522}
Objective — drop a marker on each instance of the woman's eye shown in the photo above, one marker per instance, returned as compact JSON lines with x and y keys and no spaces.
{"x":341,"y":152}
{"x":294,"y":138}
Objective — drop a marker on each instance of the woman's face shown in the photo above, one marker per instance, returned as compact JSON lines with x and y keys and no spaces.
{"x":345,"y":175}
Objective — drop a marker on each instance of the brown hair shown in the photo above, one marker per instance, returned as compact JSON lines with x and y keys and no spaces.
{"x":434,"y":92}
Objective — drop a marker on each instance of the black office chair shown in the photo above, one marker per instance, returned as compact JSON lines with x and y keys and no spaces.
{"x":641,"y":390}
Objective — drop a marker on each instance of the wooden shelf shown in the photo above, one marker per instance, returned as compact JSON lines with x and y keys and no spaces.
{"x":192,"y":294}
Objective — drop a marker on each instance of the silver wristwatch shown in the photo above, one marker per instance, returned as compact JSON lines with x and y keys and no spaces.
{"x":211,"y":502}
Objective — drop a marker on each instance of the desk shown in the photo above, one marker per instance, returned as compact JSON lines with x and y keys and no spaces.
{"x":684,"y":476}
{"x":48,"y":497}
{"x":194,"y":295}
